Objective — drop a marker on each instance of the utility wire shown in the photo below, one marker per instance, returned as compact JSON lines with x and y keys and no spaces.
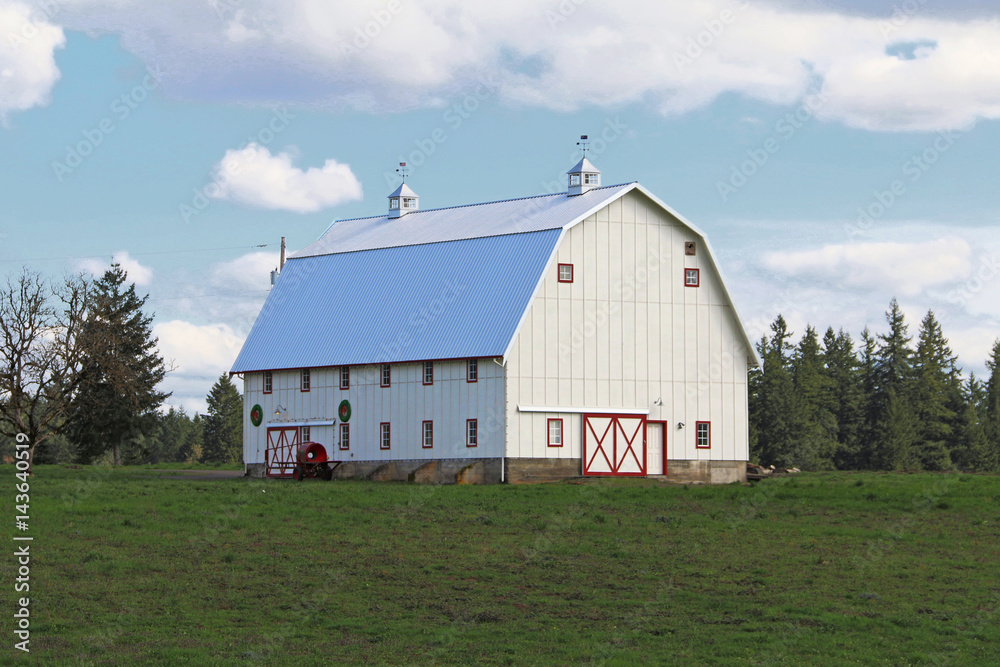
{"x":140,"y":254}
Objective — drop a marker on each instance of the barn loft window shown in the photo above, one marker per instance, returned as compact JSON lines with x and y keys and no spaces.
{"x":345,"y":436}
{"x":471,"y":432}
{"x":565,"y":273}
{"x":385,"y":440}
{"x":472,"y":370}
{"x":268,"y":382}
{"x":428,"y":372}
{"x":703,"y":435}
{"x":692,"y":277}
{"x":345,"y":377}
{"x":555,"y":432}
{"x":428,"y":429}
{"x":304,"y":434}
{"x":386,"y":375}
{"x":304,"y":380}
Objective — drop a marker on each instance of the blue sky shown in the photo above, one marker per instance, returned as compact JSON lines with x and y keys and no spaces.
{"x":836,"y":153}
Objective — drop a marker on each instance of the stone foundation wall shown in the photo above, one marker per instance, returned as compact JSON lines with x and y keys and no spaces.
{"x":526,"y":471}
{"x":709,"y":472}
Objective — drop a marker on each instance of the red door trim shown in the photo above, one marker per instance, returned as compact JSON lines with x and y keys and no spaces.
{"x":614,"y":425}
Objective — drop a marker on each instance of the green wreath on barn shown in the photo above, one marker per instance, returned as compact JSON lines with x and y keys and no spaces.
{"x":344,"y":410}
{"x":256,"y":415}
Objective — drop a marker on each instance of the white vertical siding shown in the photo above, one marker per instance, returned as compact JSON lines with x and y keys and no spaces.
{"x":627,"y":332}
{"x":405,"y":404}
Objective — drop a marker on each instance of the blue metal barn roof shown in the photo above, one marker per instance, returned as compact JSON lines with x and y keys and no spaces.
{"x":445,"y":300}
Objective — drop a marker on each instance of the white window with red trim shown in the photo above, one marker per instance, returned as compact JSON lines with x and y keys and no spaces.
{"x":386,"y":375}
{"x":565,"y":273}
{"x":472,"y":370}
{"x":305,"y":380}
{"x":703,"y":435}
{"x":428,"y":372}
{"x":345,"y":436}
{"x":428,"y":434}
{"x":304,"y":433}
{"x":268,"y":382}
{"x":554,"y":428}
{"x":692,"y":278}
{"x":345,"y":377}
{"x":385,"y":439}
{"x":471,"y":432}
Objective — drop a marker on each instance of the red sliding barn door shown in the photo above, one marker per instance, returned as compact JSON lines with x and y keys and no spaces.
{"x":279,"y":457}
{"x":614,"y":445}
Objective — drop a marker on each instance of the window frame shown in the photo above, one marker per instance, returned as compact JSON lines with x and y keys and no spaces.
{"x":385,"y":375}
{"x":548,"y":431}
{"x":384,"y":436}
{"x":708,"y":435}
{"x":471,"y":432}
{"x":424,"y":432}
{"x":574,"y":180}
{"x":428,"y":366}
{"x":697,"y":277}
{"x":345,"y":437}
{"x":572,"y":273}
{"x":345,"y":374}
{"x":305,"y":379}
{"x":591,"y":179}
{"x":305,"y":434}
{"x":472,"y":370}
{"x":268,"y":382}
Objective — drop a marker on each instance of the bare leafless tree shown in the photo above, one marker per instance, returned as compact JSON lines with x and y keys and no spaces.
{"x":39,"y":357}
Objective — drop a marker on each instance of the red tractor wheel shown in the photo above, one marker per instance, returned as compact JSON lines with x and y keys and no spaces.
{"x":298,"y":474}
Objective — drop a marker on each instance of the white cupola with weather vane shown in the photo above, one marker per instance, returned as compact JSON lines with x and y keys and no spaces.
{"x":584,"y":175}
{"x":403,"y":200}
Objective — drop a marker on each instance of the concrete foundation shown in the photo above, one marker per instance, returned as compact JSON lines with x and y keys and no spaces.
{"x":526,"y":471}
{"x":709,"y":472}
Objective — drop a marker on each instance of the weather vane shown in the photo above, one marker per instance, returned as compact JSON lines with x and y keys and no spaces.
{"x":584,"y":144}
{"x":403,"y":171}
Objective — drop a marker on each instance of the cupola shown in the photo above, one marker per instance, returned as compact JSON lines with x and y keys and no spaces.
{"x":403,"y":200}
{"x":584,"y":175}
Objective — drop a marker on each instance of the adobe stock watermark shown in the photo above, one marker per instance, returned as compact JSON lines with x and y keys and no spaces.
{"x":225,"y":171}
{"x":914,"y":169}
{"x":784,"y":130}
{"x":901,"y":15}
{"x":562,"y":12}
{"x":35,"y":23}
{"x":987,"y":270}
{"x":714,"y":29}
{"x":366,"y":34}
{"x":453,"y":118}
{"x":122,"y":107}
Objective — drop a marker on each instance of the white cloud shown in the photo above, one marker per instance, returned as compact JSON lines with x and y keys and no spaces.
{"x":251,"y":271}
{"x":905,"y":268}
{"x":137,"y":273}
{"x":28,"y":69}
{"x":254,"y":177}
{"x":199,"y":355}
{"x":672,"y":55}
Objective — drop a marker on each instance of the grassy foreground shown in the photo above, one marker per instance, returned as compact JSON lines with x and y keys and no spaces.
{"x":130,"y":567}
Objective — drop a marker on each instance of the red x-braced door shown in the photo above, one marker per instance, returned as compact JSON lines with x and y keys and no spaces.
{"x":614,"y":445}
{"x":279,"y":457}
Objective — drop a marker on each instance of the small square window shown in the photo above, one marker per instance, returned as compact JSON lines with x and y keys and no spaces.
{"x":574,"y":179}
{"x":471,"y":432}
{"x":565,"y":273}
{"x":385,"y":440}
{"x":428,"y":434}
{"x":428,"y":372}
{"x":703,"y":435}
{"x":386,"y":375}
{"x":591,"y":179}
{"x":304,"y":380}
{"x":394,"y":203}
{"x":345,"y":377}
{"x":409,"y":202}
{"x":472,"y":370}
{"x":692,"y":278}
{"x":555,"y":432}
{"x":268,"y":382}
{"x":304,"y":433}
{"x":345,"y":436}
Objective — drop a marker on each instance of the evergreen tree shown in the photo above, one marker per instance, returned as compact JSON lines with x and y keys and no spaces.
{"x":894,"y":442}
{"x":814,"y":420}
{"x":935,"y":395}
{"x":975,"y":451}
{"x":223,"y":435}
{"x":171,"y":436}
{"x":990,"y":410}
{"x":118,"y":400}
{"x":844,"y":398}
{"x":868,"y":372}
{"x":778,"y":438}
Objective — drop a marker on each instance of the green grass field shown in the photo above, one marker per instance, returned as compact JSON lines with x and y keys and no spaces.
{"x":131,"y":568}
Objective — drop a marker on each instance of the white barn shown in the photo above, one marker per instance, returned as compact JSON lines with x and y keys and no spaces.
{"x":582,"y":333}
